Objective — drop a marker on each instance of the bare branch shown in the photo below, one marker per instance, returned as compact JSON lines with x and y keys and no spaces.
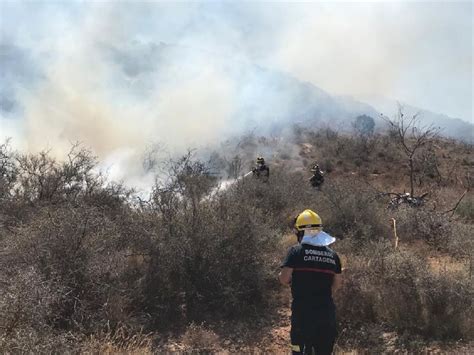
{"x":453,"y":210}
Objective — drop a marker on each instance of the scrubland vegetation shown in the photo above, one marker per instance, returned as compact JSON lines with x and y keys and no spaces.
{"x":86,"y":265}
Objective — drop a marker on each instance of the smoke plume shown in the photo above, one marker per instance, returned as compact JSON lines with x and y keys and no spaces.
{"x":120,"y":77}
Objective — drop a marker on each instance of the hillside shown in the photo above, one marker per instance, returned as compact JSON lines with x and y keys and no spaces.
{"x":450,"y":126}
{"x":87,"y":264}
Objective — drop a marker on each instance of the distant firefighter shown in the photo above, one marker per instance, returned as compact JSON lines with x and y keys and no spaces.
{"x":261,"y":170}
{"x":318,"y":176}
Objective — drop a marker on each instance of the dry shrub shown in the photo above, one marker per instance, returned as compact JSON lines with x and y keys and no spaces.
{"x":284,"y":194}
{"x":200,"y":338}
{"x":212,"y":267}
{"x":465,"y":210}
{"x":421,"y":224}
{"x":434,"y":305}
{"x":33,"y":341}
{"x":77,"y":251}
{"x":459,"y":242}
{"x":396,"y":288}
{"x":436,"y":229}
{"x":205,"y":257}
{"x":351,"y":211}
{"x":27,"y":304}
{"x":63,"y":264}
{"x":122,"y":340}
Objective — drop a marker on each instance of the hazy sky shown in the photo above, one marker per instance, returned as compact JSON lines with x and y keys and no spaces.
{"x":88,"y":70}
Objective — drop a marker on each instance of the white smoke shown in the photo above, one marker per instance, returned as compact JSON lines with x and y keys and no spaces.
{"x":119,"y":77}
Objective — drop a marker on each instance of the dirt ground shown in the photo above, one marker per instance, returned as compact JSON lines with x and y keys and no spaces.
{"x":274,"y":339}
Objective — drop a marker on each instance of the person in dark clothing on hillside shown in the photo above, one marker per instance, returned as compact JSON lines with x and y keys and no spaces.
{"x":314,"y":272}
{"x":261,"y":170}
{"x":318,"y":177}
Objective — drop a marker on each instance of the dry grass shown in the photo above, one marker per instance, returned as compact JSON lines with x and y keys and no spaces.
{"x":200,"y":338}
{"x":121,"y":341}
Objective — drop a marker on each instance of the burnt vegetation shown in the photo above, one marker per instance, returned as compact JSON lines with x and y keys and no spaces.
{"x":85,"y":262}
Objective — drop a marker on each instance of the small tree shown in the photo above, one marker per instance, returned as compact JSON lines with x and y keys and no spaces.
{"x":410,"y":137}
{"x":364,"y":125}
{"x":364,"y":136}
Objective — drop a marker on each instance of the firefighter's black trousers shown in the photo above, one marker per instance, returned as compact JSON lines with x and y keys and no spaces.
{"x":313,"y":327}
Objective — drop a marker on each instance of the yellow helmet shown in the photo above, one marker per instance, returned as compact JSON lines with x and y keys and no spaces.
{"x":260,"y":160}
{"x":308,"y":220}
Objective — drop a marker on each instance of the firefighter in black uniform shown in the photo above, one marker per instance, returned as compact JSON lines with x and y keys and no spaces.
{"x":314,"y":272}
{"x":318,"y":177}
{"x":261,"y":170}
